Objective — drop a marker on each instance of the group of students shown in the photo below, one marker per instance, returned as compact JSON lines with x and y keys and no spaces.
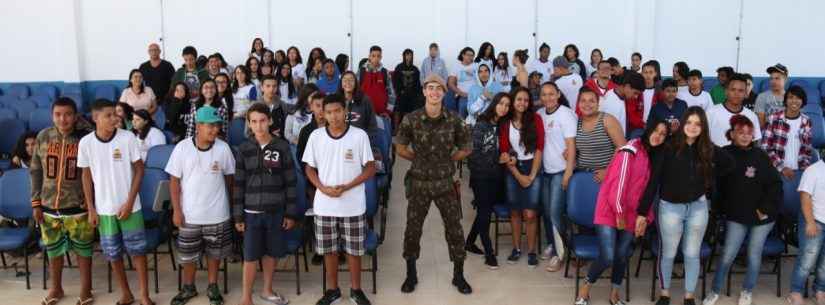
{"x":647,"y":141}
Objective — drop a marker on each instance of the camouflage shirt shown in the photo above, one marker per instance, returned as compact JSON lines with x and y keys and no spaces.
{"x":55,"y":177}
{"x":434,"y":140}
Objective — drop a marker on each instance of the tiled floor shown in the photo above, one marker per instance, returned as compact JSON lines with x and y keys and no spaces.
{"x":510,"y":285}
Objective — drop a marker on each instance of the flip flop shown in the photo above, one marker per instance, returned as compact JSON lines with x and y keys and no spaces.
{"x":125,"y":303}
{"x":87,"y":301}
{"x":49,"y":301}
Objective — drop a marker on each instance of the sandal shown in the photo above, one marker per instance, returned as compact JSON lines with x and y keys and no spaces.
{"x":125,"y":303}
{"x":187,"y":293}
{"x":49,"y":301}
{"x":87,"y":301}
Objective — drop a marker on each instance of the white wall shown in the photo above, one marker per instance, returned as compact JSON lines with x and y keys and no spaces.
{"x":78,"y":40}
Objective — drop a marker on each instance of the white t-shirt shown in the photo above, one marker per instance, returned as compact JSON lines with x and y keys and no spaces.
{"x":111,"y":166}
{"x":203,"y":189}
{"x":465,"y":75}
{"x":515,"y":144}
{"x":813,"y":183}
{"x":283,"y":90}
{"x":339,"y":161}
{"x":702,"y":100}
{"x":155,"y":137}
{"x":569,"y":86}
{"x":244,"y":99}
{"x":545,"y":68}
{"x":792,"y":146}
{"x":613,"y":105}
{"x":504,"y":77}
{"x":719,"y":123}
{"x":558,"y":126}
{"x":647,"y":98}
{"x":299,"y":72}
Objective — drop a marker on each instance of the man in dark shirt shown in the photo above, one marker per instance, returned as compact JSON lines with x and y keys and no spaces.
{"x":157,"y":72}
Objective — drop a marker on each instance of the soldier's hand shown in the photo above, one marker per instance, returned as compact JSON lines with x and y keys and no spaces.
{"x":37,"y":213}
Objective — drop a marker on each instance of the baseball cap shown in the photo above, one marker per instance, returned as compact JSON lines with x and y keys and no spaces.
{"x":560,"y":62}
{"x":780,"y":68}
{"x":207,"y":115}
{"x":435,"y":78}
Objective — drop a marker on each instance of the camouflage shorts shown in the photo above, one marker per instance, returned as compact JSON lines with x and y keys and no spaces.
{"x":60,"y":233}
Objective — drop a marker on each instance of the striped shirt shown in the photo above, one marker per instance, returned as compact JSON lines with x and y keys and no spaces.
{"x":594,"y":149}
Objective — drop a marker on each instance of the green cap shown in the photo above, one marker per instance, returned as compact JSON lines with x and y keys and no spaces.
{"x":207,"y":115}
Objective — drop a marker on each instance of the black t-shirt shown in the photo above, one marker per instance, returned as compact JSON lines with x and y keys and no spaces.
{"x":158,"y":78}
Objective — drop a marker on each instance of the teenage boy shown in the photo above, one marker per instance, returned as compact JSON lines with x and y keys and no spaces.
{"x":200,"y":170}
{"x":719,"y":115}
{"x":568,"y":82}
{"x":189,"y":73}
{"x":264,"y":202}
{"x":542,"y":64}
{"x":623,"y":102}
{"x":338,"y":161}
{"x":772,"y":100}
{"x":695,"y":96}
{"x":717,"y":93}
{"x":277,"y":111}
{"x":375,"y":83}
{"x":433,"y":64}
{"x":669,"y":109}
{"x":57,"y":200}
{"x":112,"y":172}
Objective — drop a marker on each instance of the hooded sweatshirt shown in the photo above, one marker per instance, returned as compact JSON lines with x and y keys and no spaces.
{"x":327,"y":84}
{"x":406,"y":80}
{"x":753,"y":184}
{"x":623,"y":186}
{"x":476,"y":101}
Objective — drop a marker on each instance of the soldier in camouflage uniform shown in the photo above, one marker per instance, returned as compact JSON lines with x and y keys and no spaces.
{"x":433,"y":139}
{"x":57,"y":199}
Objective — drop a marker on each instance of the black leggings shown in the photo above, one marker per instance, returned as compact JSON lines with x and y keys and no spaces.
{"x":487,"y":192}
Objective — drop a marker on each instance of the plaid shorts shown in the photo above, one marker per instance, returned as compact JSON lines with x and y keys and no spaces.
{"x":333,"y":234}
{"x":213,"y":239}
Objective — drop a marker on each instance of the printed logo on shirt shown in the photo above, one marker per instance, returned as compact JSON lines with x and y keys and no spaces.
{"x":117,"y":155}
{"x":750,"y":172}
{"x":215,"y":167}
{"x":348,"y":156}
{"x":272,"y":159}
{"x":353,"y":117}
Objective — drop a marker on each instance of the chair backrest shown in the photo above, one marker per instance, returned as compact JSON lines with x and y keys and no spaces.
{"x":582,"y":193}
{"x":42,"y":101}
{"x":814,"y":113}
{"x":40,"y":119}
{"x":148,"y":187}
{"x":23,"y":108}
{"x":46,"y":90}
{"x":12,"y":130}
{"x":790,"y":197}
{"x":800,"y":82}
{"x":709,"y":83}
{"x":77,"y":98}
{"x":301,"y":186}
{"x":7,"y":113}
{"x":158,"y":155}
{"x":160,"y":118}
{"x":15,"y":197}
{"x":6,"y":100}
{"x":19,"y":91}
{"x":371,"y":189}
{"x":71,"y":88}
{"x":109,"y":92}
{"x":237,"y":131}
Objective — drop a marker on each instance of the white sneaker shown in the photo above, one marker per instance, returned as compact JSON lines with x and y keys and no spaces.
{"x":745,"y":298}
{"x":711,"y":299}
{"x":547,"y":253}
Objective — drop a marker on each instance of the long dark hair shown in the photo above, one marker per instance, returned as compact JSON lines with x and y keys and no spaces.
{"x":298,"y":58}
{"x":464,"y":50}
{"x":263,"y":57}
{"x":246,"y":73}
{"x":341,"y":62}
{"x":649,"y":130}
{"x":490,"y":112}
{"x":303,"y":98}
{"x":288,"y":79}
{"x":483,"y":49}
{"x":601,"y":56}
{"x":682,"y":69}
{"x":356,"y":91}
{"x":171,"y":94}
{"x":704,"y":147}
{"x":506,"y":65}
{"x":404,"y":57}
{"x":20,"y":148}
{"x":228,"y":98}
{"x":127,"y":112}
{"x":253,"y":45}
{"x":575,"y":49}
{"x":140,"y":90}
{"x":562,"y":99}
{"x":655,"y":64}
{"x":528,"y":133}
{"x":143,"y":114}
{"x":248,"y":66}
{"x":216,"y":101}
{"x":311,"y":61}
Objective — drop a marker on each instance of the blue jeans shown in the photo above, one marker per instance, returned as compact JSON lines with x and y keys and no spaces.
{"x":520,"y":198}
{"x":734,"y":237}
{"x":462,"y":107}
{"x":679,"y":221}
{"x":553,"y":203}
{"x":809,"y":250}
{"x":614,"y":251}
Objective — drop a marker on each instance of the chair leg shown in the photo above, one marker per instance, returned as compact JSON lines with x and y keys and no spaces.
{"x":374,"y":273}
{"x":3,"y":257}
{"x":225,"y":275}
{"x":567,"y":265}
{"x":109,"y":275}
{"x":155,"y":259}
{"x":653,"y":278}
{"x":639,"y":264}
{"x":576,"y":291}
{"x":627,"y":283}
{"x":45,"y":272}
{"x":180,"y":282}
{"x":704,"y":278}
{"x":171,"y":255}
{"x":728,"y":285}
{"x":306,"y":261}
{"x":297,"y":274}
{"x":779,"y":276}
{"x":495,"y":225}
{"x":323,"y":277}
{"x":28,"y":274}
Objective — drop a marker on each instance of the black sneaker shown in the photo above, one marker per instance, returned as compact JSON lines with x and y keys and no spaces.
{"x":532,"y":260}
{"x":491,"y":262}
{"x":472,"y":248}
{"x":330,"y":297}
{"x":514,"y":256}
{"x":186,"y":293}
{"x":214,"y":295}
{"x":690,"y":302}
{"x":357,"y":296}
{"x":663,"y":300}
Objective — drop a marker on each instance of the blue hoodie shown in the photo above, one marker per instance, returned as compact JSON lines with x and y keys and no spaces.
{"x":329,"y":85}
{"x":476,"y":102}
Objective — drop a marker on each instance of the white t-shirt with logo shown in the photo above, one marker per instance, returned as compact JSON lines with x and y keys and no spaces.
{"x":558,"y":126}
{"x":545,"y":68}
{"x":813,"y":183}
{"x":569,"y":86}
{"x":719,"y":123}
{"x":298,"y":72}
{"x":614,"y":106}
{"x":111,"y":166}
{"x":204,"y":199}
{"x":465,"y":75}
{"x":339,"y":161}
{"x":703,"y":99}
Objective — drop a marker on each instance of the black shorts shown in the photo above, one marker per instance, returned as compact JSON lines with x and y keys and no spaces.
{"x":263,"y":235}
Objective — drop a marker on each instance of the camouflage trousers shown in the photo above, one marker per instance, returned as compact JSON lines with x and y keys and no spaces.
{"x":420,"y":194}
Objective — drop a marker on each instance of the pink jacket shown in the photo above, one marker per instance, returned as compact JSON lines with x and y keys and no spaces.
{"x":623,"y":185}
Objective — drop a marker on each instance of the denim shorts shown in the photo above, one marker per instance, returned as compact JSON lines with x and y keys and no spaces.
{"x":520,"y":198}
{"x":263,"y":236}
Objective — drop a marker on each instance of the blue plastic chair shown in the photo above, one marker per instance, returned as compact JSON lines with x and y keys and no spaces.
{"x":709,"y":83}
{"x":77,"y":98}
{"x":814,"y":113}
{"x":46,"y":90}
{"x":40,"y":119}
{"x":6,"y":100}
{"x":158,"y":156}
{"x":42,"y":101}
{"x":19,"y":91}
{"x":237,"y":131}
{"x":295,"y":243}
{"x":23,"y":108}
{"x":800,"y":82}
{"x":12,"y":130}
{"x":6,"y":113}
{"x":71,"y":88}
{"x":160,"y":118}
{"x":109,"y":92}
{"x":156,"y":223}
{"x":15,"y":203}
